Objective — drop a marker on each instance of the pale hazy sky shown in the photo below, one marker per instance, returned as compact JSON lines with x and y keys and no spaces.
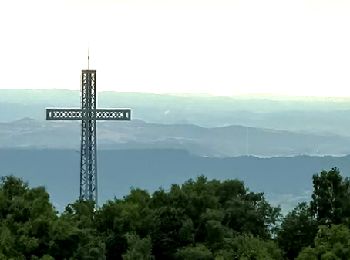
{"x":222,"y":47}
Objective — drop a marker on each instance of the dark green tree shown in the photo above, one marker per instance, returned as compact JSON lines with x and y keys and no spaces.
{"x":168,"y":232}
{"x":330,"y":199}
{"x":138,"y":248}
{"x":26,"y":220}
{"x":198,"y":252}
{"x":119,"y":217}
{"x":298,"y":230}
{"x":245,"y":246}
{"x":330,"y":243}
{"x":76,"y":235}
{"x":251,"y":213}
{"x":200,"y":219}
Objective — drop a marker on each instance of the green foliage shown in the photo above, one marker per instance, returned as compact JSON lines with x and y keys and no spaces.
{"x":76,"y":230}
{"x":297,"y":230}
{"x":31,"y":229}
{"x":191,"y":221}
{"x":26,"y":220}
{"x":198,"y":252}
{"x":319,"y":231}
{"x":307,"y":253}
{"x":330,"y":199}
{"x":138,"y":249}
{"x":245,"y":246}
{"x":200,"y":219}
{"x":330,"y":243}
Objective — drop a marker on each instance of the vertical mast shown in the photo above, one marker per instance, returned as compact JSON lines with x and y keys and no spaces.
{"x":88,"y":169}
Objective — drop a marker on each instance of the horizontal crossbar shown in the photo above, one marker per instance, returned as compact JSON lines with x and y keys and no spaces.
{"x":79,"y":114}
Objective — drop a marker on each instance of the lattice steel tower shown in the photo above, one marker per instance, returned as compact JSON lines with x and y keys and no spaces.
{"x":88,"y":164}
{"x":88,"y":114}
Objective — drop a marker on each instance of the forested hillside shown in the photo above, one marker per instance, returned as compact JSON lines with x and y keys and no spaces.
{"x":200,"y":219}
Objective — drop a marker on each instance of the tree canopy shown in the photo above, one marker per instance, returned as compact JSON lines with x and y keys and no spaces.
{"x":199,"y":219}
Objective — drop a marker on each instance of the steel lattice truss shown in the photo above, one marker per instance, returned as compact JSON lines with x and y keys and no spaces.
{"x":88,"y":114}
{"x":78,"y":114}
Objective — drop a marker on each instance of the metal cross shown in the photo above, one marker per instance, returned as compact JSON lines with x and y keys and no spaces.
{"x":88,"y":114}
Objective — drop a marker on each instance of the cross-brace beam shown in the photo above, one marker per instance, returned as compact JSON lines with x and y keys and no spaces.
{"x":77,"y":114}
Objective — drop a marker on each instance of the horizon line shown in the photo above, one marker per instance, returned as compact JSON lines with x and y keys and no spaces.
{"x":191,"y":94}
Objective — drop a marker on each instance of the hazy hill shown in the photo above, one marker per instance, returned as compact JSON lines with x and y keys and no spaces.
{"x":313,"y":115}
{"x":199,"y":128}
{"x":214,"y":142}
{"x":285,"y":180}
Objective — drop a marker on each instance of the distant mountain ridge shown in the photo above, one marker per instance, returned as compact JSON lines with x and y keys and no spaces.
{"x":307,"y":115}
{"x":225,"y":141}
{"x":172,"y":138}
{"x":285,"y":180}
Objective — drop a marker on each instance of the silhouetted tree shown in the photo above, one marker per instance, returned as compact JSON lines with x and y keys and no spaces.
{"x":330,"y":199}
{"x":298,"y":230}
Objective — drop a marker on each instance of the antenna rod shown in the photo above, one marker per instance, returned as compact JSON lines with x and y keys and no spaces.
{"x":88,"y":59}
